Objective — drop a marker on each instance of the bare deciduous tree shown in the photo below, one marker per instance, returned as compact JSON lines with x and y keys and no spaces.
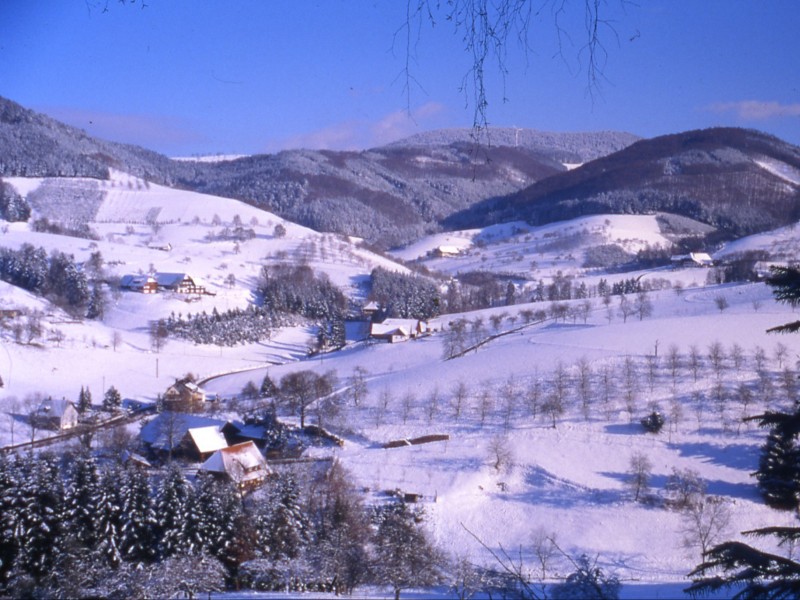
{"x":459,"y":398}
{"x":695,"y":362}
{"x":501,"y":456}
{"x":705,"y":522}
{"x":639,"y":473}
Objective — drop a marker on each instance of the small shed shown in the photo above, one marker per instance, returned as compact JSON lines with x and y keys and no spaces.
{"x":243,"y":464}
{"x":371,"y":309}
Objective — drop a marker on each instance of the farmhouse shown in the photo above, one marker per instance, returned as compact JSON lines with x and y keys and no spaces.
{"x":184,"y":395}
{"x":447,"y":251}
{"x":398,"y":330}
{"x":184,"y":435}
{"x":180,"y":283}
{"x":55,"y":414}
{"x":693,"y":259}
{"x":242,"y":464}
{"x":144,"y":284}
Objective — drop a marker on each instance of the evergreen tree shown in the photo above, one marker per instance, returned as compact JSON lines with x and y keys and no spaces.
{"x":172,"y":507}
{"x":268,"y":388}
{"x":779,"y":470}
{"x":84,"y":401}
{"x":137,"y":533}
{"x":756,"y":573}
{"x":404,"y":556}
{"x":282,"y":525}
{"x":82,"y":495}
{"x":40,"y":516}
{"x":9,"y":485}
{"x":109,"y":517}
{"x":97,"y":303}
{"x":214,"y":517}
{"x":112,"y":399}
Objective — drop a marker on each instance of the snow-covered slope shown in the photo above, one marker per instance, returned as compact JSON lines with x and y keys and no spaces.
{"x":567,"y":480}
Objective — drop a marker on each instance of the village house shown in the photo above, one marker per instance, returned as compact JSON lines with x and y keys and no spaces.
{"x":446,"y":251}
{"x":187,"y":436}
{"x":55,"y":414}
{"x":184,"y":396}
{"x":398,"y":330}
{"x":371,"y":309}
{"x":242,"y":464}
{"x":693,"y":259}
{"x":180,"y":283}
{"x":144,"y":284}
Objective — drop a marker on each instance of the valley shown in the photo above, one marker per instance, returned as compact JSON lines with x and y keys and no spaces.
{"x":551,"y":340}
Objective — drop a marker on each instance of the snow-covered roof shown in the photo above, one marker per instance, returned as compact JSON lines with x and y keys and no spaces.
{"x":392,"y":326}
{"x":54,"y":408}
{"x":166,"y":431}
{"x":169,"y":279}
{"x":135,"y":281}
{"x":241,"y":462}
{"x":208,"y":439}
{"x":702,"y":258}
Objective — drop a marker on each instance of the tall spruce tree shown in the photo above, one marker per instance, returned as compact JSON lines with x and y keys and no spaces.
{"x":84,"y":400}
{"x":779,"y":466}
{"x":40,"y":516}
{"x":9,"y":484}
{"x":82,"y":495}
{"x":283,"y":528}
{"x":172,"y":506}
{"x":137,"y":534}
{"x":756,"y":573}
{"x":112,"y":399}
{"x":214,"y":517}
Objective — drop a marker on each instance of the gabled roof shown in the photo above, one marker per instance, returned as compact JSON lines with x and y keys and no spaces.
{"x":702,"y":258}
{"x":135,"y":281}
{"x":241,"y":462}
{"x":208,"y":439}
{"x":170,"y":279}
{"x":55,"y":408}
{"x":395,"y":327}
{"x":173,"y":427}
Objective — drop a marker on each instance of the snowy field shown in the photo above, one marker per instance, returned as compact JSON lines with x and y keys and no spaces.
{"x":567,"y":481}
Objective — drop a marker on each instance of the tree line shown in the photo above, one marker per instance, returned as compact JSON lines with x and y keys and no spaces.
{"x":77,"y":526}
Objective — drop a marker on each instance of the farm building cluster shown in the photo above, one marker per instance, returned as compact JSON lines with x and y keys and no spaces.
{"x":179,"y":283}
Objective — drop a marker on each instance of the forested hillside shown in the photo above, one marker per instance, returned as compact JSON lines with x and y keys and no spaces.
{"x":388,"y":195}
{"x":739,"y":181}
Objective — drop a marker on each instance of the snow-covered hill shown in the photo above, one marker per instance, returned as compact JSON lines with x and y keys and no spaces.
{"x":568,"y":481}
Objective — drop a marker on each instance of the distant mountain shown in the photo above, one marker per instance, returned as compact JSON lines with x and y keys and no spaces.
{"x":738,"y":181}
{"x":35,"y":145}
{"x":396,"y":193}
{"x":388,"y":195}
{"x":568,"y":148}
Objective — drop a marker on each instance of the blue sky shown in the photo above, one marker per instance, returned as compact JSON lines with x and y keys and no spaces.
{"x":233,"y":76}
